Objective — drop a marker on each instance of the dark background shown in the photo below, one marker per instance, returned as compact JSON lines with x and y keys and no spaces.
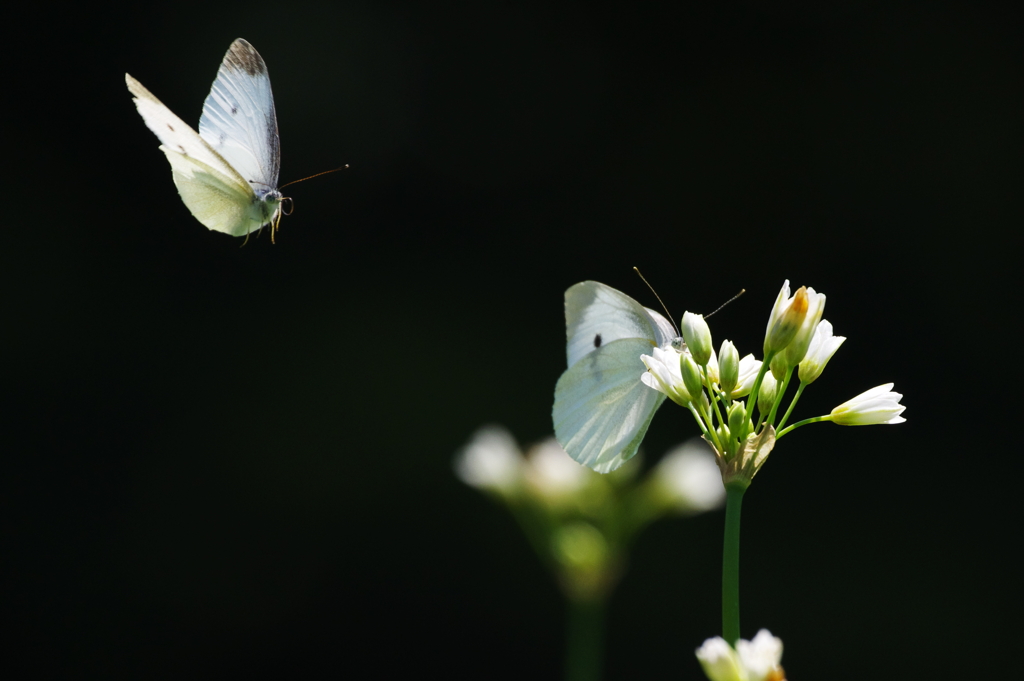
{"x":236,"y":462}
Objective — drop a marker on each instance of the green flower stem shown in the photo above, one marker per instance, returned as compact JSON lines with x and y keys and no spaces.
{"x":778,"y":397}
{"x":731,"y":563}
{"x":711,"y":432}
{"x":816,"y":419}
{"x":700,"y":421}
{"x":713,"y":394}
{"x":796,"y":398}
{"x":584,"y":634}
{"x":752,"y":400}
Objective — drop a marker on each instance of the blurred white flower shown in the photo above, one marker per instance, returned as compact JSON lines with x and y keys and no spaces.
{"x":720,"y":661}
{"x":756,"y":660}
{"x":761,"y":657}
{"x":820,"y":351}
{"x":876,"y":406}
{"x":490,"y":461}
{"x":553,"y":473}
{"x":664,"y":375}
{"x":691,"y":477}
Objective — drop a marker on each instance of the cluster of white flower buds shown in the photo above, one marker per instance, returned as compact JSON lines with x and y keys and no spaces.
{"x":712,"y":386}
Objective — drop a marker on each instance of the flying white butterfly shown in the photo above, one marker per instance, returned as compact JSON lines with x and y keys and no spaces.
{"x":227,"y":173}
{"x":602,"y":409}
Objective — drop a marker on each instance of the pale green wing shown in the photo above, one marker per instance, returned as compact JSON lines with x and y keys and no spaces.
{"x":602,"y":409}
{"x":214,"y":199}
{"x":596,"y":315}
{"x":212,"y":190}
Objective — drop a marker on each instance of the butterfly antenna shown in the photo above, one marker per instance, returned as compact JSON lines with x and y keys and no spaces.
{"x":742,"y":291}
{"x":326,"y":172}
{"x":663,"y":307}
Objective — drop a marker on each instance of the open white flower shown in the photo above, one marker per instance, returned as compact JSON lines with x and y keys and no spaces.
{"x":756,"y":660}
{"x":878,"y":405}
{"x":664,"y":375}
{"x":819,"y":352}
{"x":749,"y":368}
{"x":490,"y":461}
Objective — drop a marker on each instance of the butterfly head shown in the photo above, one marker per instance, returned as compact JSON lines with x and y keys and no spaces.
{"x":273,"y":205}
{"x":677,"y":343}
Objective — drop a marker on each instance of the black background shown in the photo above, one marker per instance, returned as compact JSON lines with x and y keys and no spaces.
{"x":227,"y":462}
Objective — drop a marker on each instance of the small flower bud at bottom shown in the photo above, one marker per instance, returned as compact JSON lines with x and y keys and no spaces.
{"x":737,"y":418}
{"x":766,"y":395}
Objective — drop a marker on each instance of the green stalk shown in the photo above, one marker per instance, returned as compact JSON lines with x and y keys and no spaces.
{"x":816,"y":419}
{"x":584,"y":634}
{"x":752,"y":400}
{"x":731,"y":563}
{"x":713,"y":394}
{"x":699,"y":420}
{"x":778,"y":397}
{"x":711,"y":432}
{"x":796,"y":398}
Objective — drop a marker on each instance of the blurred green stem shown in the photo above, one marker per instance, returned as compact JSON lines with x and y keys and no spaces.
{"x":584,"y":637}
{"x":731,"y":564}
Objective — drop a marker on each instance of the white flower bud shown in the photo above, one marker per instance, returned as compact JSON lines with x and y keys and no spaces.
{"x":697,"y":335}
{"x":766,"y":395}
{"x":728,"y":367}
{"x":786,"y":319}
{"x":737,"y":418}
{"x":876,"y":406}
{"x":797,"y":348}
{"x":823,"y":346}
{"x":691,"y":375}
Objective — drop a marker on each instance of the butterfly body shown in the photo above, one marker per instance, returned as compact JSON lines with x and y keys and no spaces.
{"x":602,"y":409}
{"x":226,"y":173}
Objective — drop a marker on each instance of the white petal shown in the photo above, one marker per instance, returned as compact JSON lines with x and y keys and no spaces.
{"x":760,"y":655}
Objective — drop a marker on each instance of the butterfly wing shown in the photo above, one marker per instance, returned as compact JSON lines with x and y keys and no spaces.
{"x":596,"y":315}
{"x":602,"y":409}
{"x":212,"y":190}
{"x":239,"y":121}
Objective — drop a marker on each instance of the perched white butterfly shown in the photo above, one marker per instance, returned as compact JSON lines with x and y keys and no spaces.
{"x":602,"y":409}
{"x":227,"y":173}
